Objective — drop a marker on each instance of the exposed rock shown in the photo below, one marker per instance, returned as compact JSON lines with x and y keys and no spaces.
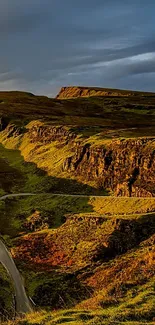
{"x":72,"y":92}
{"x":36,"y":222}
{"x":47,"y":133}
{"x":126,"y":167}
{"x":3,"y":122}
{"x":14,"y":130}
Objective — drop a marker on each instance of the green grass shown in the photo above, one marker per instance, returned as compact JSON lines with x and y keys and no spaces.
{"x":122,"y":206}
{"x":15,"y":211}
{"x":104,"y":251}
{"x":6,"y":294}
{"x":100,"y":111}
{"x":74,"y":317}
{"x":27,"y":177}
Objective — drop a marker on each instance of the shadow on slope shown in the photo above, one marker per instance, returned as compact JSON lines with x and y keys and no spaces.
{"x":18,"y":176}
{"x":22,"y":176}
{"x":57,"y":290}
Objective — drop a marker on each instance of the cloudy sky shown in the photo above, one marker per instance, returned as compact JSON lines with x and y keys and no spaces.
{"x":46,"y":44}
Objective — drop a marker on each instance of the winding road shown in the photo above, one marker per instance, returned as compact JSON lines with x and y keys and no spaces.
{"x":23,"y":304}
{"x":77,"y":195}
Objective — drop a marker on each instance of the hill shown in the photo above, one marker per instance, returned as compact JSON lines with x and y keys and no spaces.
{"x":75,"y":91}
{"x":84,"y":243}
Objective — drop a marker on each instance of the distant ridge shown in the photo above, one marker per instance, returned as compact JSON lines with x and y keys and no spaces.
{"x":76,"y":91}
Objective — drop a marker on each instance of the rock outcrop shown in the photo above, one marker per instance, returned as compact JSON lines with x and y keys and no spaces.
{"x":72,"y":92}
{"x":125,"y":167}
{"x":46,"y":134}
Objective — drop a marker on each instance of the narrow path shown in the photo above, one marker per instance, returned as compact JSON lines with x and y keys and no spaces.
{"x":97,"y":196}
{"x":14,"y":195}
{"x":77,"y":195}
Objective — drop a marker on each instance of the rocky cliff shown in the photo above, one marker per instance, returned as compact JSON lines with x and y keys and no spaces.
{"x":124,"y":167}
{"x":72,"y":92}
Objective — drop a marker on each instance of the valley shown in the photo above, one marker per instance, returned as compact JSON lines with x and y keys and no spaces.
{"x":84,"y":242}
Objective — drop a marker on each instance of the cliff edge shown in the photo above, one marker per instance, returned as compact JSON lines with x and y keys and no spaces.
{"x":75,"y":92}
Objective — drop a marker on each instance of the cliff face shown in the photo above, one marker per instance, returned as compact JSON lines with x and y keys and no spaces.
{"x":125,"y":167}
{"x":72,"y":92}
{"x":47,"y":134}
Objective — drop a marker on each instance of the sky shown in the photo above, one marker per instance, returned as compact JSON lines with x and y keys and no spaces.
{"x":48,"y":44}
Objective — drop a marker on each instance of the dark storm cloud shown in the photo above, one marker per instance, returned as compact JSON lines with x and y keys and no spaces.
{"x":47,"y":44}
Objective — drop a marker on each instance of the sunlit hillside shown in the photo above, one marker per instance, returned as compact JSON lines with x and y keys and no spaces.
{"x":84,"y":241}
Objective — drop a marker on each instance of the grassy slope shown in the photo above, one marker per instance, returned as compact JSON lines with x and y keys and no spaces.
{"x":73,"y":317}
{"x":130,"y":296}
{"x":14,"y":211}
{"x":90,"y":266}
{"x":94,"y":111}
{"x":95,"y":120}
{"x":46,"y":171}
{"x":24,"y":176}
{"x":87,"y":117}
{"x":142,"y":290}
{"x":6,"y":294}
